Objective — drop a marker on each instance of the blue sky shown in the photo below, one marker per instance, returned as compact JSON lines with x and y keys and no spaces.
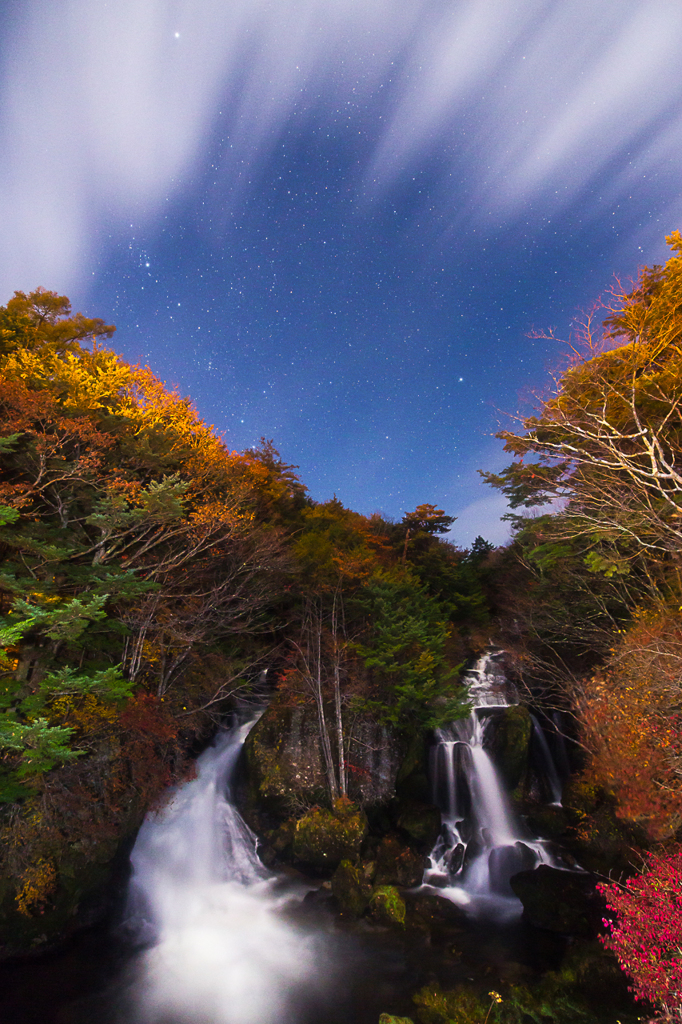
{"x":334,"y":223}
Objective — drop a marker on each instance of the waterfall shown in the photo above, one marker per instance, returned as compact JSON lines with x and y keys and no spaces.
{"x":217,"y":950}
{"x":482,"y":841}
{"x":548,"y":766}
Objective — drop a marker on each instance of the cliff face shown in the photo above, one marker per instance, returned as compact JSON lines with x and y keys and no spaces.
{"x":285,"y":767}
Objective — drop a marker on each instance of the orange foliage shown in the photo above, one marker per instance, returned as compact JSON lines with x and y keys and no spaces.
{"x":631,"y":719}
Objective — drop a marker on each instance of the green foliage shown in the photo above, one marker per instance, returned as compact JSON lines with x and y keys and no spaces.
{"x":387,"y":904}
{"x":64,"y":620}
{"x":405,"y":651}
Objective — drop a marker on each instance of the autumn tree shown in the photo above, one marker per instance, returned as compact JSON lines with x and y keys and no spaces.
{"x":607,"y":443}
{"x":425,"y":519}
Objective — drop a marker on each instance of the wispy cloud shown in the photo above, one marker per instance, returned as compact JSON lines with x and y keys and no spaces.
{"x":107,"y":109}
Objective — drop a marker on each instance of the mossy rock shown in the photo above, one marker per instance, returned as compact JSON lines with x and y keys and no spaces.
{"x":386,"y":1018}
{"x":398,"y":864}
{"x":323,"y":838}
{"x":80,"y":896}
{"x":441,"y":919}
{"x":351,"y":888}
{"x":460,"y":1005}
{"x":508,"y":741}
{"x":388,"y":906}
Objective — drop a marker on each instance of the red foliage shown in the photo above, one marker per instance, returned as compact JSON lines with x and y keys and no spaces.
{"x":146,"y":758}
{"x":647,"y":933}
{"x":145,"y":714}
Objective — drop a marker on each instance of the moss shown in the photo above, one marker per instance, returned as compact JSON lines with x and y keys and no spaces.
{"x":79,"y":897}
{"x":386,"y":1018}
{"x":388,"y":906}
{"x":351,"y":888}
{"x":510,"y":739}
{"x":323,"y":838}
{"x":456,"y":1006}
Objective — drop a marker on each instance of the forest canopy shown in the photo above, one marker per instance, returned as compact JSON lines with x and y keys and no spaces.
{"x":150,"y":575}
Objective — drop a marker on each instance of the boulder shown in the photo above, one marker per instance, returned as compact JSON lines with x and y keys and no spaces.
{"x":560,"y":901}
{"x":397,"y":863}
{"x":283,"y":760}
{"x":387,"y":905}
{"x":351,"y":888}
{"x":323,"y":838}
{"x":285,"y":766}
{"x":439,"y":917}
{"x":507,"y":739}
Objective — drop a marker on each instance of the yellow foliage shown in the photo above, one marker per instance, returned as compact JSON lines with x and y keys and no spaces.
{"x":38,"y":882}
{"x":86,"y":713}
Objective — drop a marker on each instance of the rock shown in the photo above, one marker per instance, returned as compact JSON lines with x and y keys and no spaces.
{"x":388,"y":906}
{"x":351,"y":888}
{"x":283,"y":760}
{"x":421,"y":822}
{"x":433,"y":914}
{"x":453,"y":1006}
{"x":508,"y":740}
{"x":559,"y":901}
{"x":322,"y":838}
{"x":549,"y":822}
{"x":284,"y":763}
{"x":374,"y":754}
{"x":386,"y":1018}
{"x":397,"y":864}
{"x":507,"y":861}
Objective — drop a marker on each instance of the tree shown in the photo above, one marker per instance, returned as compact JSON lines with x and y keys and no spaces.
{"x":425,"y":519}
{"x":608,"y":442}
{"x":404,"y":648}
{"x":646,"y":935}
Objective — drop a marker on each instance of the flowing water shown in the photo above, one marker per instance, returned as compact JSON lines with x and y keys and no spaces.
{"x":212,"y":937}
{"x":219,"y":947}
{"x":482,"y":841}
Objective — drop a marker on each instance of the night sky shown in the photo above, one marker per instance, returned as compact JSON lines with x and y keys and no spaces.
{"x":334,"y":223}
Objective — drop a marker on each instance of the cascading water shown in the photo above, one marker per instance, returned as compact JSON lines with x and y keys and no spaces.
{"x":482,"y":842}
{"x":217,"y":950}
{"x":549,"y":767}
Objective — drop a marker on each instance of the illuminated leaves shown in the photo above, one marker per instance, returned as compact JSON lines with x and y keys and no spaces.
{"x":646,"y":935}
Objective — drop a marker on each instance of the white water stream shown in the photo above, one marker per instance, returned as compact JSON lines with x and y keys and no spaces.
{"x":219,"y":950}
{"x":482,"y":841}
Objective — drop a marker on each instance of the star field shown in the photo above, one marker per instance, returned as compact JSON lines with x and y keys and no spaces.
{"x":358,"y":224}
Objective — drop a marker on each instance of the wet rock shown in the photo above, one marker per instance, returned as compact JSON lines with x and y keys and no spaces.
{"x":322,"y":838}
{"x":433,"y":914}
{"x":507,"y":739}
{"x":351,"y":888}
{"x":560,"y":901}
{"x":387,"y":905}
{"x":506,"y":861}
{"x":397,"y":864}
